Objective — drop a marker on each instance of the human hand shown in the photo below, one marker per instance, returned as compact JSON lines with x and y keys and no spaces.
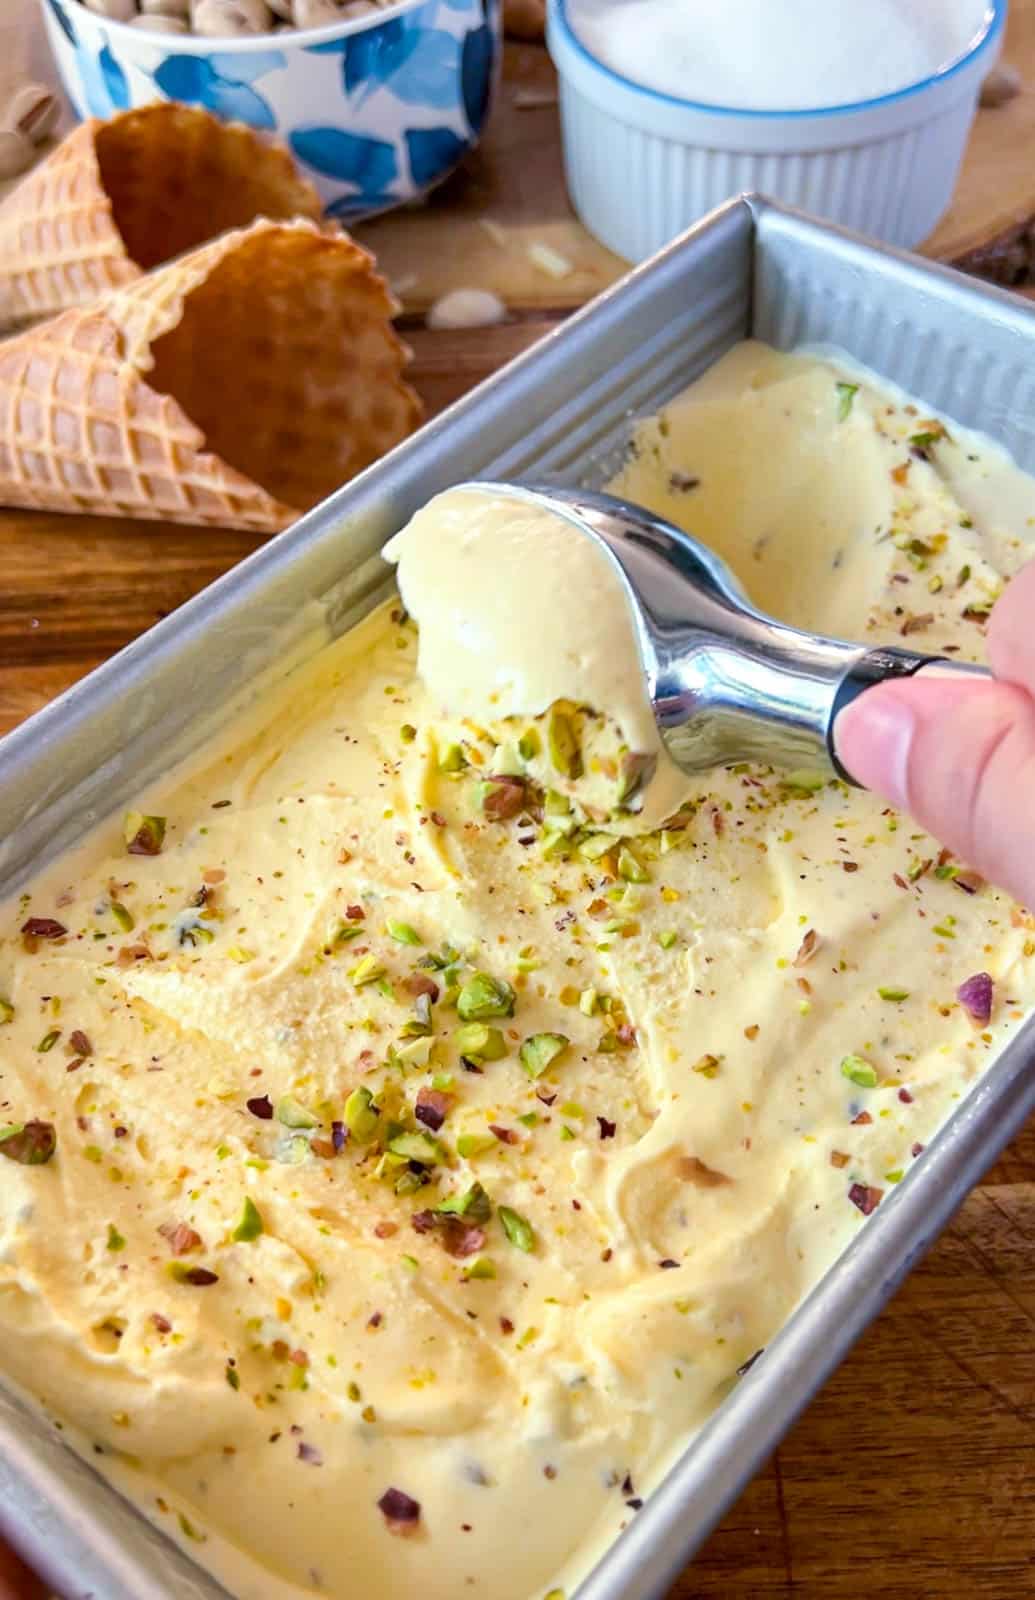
{"x":959,"y":756}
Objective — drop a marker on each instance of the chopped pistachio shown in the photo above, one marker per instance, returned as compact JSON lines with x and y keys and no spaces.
{"x":480,"y":1041}
{"x":402,"y":933}
{"x":529,"y":744}
{"x":595,"y":845}
{"x":367,"y":971}
{"x":667,"y":939}
{"x":346,"y":933}
{"x":407,"y":733}
{"x":115,"y":1239}
{"x":144,"y":835}
{"x":806,"y":780}
{"x":566,"y":1132}
{"x":294,"y":1115}
{"x":442,"y":1080}
{"x":417,"y":1147}
{"x":554,"y":842}
{"x":451,"y":759}
{"x":529,"y":1119}
{"x":481,"y":1267}
{"x":233,"y":1377}
{"x":517,"y":1229}
{"x":292,"y":1152}
{"x":630,"y":868}
{"x":6,"y":1011}
{"x":636,"y":772}
{"x":846,"y":393}
{"x":123,"y":916}
{"x":250,"y":1225}
{"x":589,"y":1000}
{"x":361,"y":1115}
{"x":483,"y":996}
{"x":417,"y":1053}
{"x":238,"y":953}
{"x":472,"y":1203}
{"x":540,"y":1050}
{"x":887,"y":993}
{"x":563,"y":744}
{"x":470,"y":1145}
{"x":30,"y":1144}
{"x":48,"y":1041}
{"x":859,"y":1071}
{"x":708,"y":1066}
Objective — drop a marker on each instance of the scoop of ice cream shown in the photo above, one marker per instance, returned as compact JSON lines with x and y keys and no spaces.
{"x":526,"y":632}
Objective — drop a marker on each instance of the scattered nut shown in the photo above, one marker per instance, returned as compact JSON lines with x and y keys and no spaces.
{"x":33,"y":112}
{"x":1002,"y":84}
{"x":219,"y":18}
{"x":16,"y":153}
{"x":232,"y":18}
{"x":466,"y":308}
{"x":316,"y":13}
{"x":114,"y":10}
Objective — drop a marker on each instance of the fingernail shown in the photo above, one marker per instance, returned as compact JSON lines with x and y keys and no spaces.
{"x":873,"y":737}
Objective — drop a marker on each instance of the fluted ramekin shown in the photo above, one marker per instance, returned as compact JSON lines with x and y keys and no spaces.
{"x":642,"y":165}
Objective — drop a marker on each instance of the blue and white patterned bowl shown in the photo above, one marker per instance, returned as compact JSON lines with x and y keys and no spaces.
{"x":376,"y":110}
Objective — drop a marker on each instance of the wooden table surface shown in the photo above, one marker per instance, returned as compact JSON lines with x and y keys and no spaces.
{"x":912,"y":1477}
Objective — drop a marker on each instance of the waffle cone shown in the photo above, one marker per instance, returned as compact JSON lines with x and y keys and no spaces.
{"x":118,"y":198}
{"x":237,"y":386}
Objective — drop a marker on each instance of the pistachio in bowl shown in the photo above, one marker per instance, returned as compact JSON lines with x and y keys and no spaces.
{"x":378,"y":101}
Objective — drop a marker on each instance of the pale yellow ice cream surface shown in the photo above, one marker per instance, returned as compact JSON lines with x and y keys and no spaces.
{"x":655,"y":1202}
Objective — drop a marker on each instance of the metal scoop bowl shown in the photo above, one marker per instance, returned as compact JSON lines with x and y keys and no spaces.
{"x":727,"y":683}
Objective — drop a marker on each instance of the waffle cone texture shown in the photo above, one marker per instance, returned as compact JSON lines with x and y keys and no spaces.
{"x":118,"y":198}
{"x":235,"y":387}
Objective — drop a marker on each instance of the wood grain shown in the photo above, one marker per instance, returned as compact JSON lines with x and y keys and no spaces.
{"x":912,"y":1477}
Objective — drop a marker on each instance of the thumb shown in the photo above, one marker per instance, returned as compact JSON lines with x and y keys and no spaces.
{"x":960,"y":757}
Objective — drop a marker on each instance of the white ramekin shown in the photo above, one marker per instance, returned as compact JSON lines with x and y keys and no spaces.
{"x":642,"y":166}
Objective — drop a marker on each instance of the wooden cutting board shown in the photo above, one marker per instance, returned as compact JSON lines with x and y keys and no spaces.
{"x":913,"y":1475}
{"x":478,"y":228}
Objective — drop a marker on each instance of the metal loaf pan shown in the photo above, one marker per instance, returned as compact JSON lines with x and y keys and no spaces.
{"x":564,"y":408}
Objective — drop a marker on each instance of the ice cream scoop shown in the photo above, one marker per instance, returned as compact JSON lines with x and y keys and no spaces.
{"x":725,"y":681}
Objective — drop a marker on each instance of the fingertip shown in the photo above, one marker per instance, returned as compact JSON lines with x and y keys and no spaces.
{"x":873,"y":737}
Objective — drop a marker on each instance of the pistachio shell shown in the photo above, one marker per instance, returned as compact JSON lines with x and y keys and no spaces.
{"x":222,"y":18}
{"x":114,"y":10}
{"x":316,"y":13}
{"x":33,"y":111}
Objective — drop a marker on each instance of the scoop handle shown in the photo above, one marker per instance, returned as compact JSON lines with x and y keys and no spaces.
{"x":880,"y":665}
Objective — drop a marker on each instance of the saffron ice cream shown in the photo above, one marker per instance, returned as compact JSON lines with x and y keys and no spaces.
{"x":407,"y":1141}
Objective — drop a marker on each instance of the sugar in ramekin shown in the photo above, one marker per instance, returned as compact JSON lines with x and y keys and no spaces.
{"x":642,"y":165}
